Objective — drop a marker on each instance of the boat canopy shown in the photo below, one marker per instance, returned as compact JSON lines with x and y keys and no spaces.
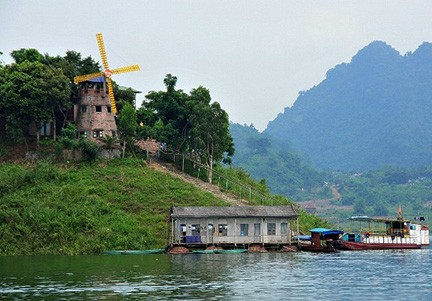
{"x":303,"y":237}
{"x":325,"y":231}
{"x":365,"y":218}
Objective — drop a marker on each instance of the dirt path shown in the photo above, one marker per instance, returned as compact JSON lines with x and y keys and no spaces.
{"x":214,"y":189}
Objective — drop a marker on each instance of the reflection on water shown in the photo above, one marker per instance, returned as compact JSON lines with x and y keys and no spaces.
{"x":365,"y":275}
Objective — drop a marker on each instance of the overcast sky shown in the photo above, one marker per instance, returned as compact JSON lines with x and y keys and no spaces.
{"x":253,"y":56}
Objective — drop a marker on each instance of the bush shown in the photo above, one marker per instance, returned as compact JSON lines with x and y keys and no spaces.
{"x":90,"y":149}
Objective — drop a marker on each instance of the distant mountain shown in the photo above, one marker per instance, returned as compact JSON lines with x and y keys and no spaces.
{"x":371,"y":112}
{"x":284,"y":171}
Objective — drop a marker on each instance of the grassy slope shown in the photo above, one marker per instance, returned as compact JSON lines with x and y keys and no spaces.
{"x":89,"y":208}
{"x":85,"y":209}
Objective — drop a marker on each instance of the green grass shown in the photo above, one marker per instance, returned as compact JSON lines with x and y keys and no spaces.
{"x":87,"y":208}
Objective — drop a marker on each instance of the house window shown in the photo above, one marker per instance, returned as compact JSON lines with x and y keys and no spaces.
{"x":271,"y":229}
{"x":83,"y":109}
{"x":98,"y":109}
{"x":183,"y":232}
{"x":109,"y":109}
{"x":244,"y":229}
{"x":196,"y":229}
{"x":223,"y":230}
{"x":284,"y":228}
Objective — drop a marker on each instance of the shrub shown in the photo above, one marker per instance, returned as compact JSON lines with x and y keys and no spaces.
{"x":90,"y":149}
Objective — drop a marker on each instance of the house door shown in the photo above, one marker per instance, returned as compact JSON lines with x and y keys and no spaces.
{"x":210,"y":231}
{"x":257,"y":232}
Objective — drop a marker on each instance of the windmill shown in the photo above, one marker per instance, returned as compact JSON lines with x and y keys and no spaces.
{"x":92,"y":118}
{"x":106,"y":73}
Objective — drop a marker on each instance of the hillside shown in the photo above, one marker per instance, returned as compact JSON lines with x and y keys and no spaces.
{"x":285,"y":172}
{"x":371,"y":112}
{"x":87,"y":208}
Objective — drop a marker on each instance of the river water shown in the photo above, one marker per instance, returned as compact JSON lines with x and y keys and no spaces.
{"x":362,"y":275}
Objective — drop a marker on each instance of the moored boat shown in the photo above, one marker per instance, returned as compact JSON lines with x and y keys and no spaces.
{"x":231,"y":251}
{"x":321,"y":240}
{"x":385,"y":233}
{"x":134,"y":252}
{"x":203,"y":251}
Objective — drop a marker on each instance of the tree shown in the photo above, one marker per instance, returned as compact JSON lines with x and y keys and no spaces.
{"x":31,"y":91}
{"x":72,"y":64}
{"x":210,"y":133}
{"x":127,"y":124}
{"x":189,"y":123}
{"x":172,"y":109}
{"x":147,"y":119}
{"x":31,"y":55}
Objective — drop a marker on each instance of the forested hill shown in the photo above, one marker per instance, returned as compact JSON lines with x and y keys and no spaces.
{"x":371,"y":112}
{"x":284,"y":171}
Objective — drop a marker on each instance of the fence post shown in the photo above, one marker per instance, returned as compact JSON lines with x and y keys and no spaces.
{"x":183,"y":162}
{"x":250,"y":194}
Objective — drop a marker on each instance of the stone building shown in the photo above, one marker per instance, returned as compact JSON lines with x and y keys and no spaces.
{"x":92,"y":113}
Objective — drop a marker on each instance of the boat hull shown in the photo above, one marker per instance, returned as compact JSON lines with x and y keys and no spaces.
{"x":354,"y":246}
{"x":134,"y":252}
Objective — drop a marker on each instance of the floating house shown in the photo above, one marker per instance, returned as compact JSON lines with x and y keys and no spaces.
{"x":232,"y":226}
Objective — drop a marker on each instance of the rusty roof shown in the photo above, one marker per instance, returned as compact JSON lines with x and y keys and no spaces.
{"x":234,"y":211}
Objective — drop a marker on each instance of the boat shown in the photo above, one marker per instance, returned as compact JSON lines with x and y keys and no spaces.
{"x":203,"y":251}
{"x":321,"y":240}
{"x":231,"y":251}
{"x":385,"y":233}
{"x":134,"y":252}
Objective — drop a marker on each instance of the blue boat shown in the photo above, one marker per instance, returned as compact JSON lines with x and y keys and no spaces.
{"x":322,"y":240}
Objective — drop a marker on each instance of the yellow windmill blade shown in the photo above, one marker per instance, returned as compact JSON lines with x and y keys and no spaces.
{"x":82,"y":78}
{"x":111,"y":96}
{"x":101,"y":45}
{"x":126,"y":69}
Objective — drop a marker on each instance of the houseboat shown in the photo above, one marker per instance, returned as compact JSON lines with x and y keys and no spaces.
{"x":385,"y":233}
{"x":321,"y":240}
{"x":236,"y":227}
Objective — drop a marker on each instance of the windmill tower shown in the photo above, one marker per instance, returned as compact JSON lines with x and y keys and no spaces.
{"x":96,"y":107}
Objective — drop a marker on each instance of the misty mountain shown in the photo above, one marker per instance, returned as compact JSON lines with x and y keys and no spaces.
{"x":284,"y":171}
{"x":371,"y":112}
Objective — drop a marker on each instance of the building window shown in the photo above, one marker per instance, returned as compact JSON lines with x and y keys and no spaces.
{"x":284,"y":228}
{"x":196,"y":229}
{"x":183,"y":232}
{"x":98,"y":134}
{"x":271,"y":229}
{"x":109,"y":109}
{"x":83,"y":109}
{"x":98,"y":109}
{"x":223,"y":230}
{"x":244,"y":229}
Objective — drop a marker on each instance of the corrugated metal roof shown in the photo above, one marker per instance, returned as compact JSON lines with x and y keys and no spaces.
{"x":234,"y":211}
